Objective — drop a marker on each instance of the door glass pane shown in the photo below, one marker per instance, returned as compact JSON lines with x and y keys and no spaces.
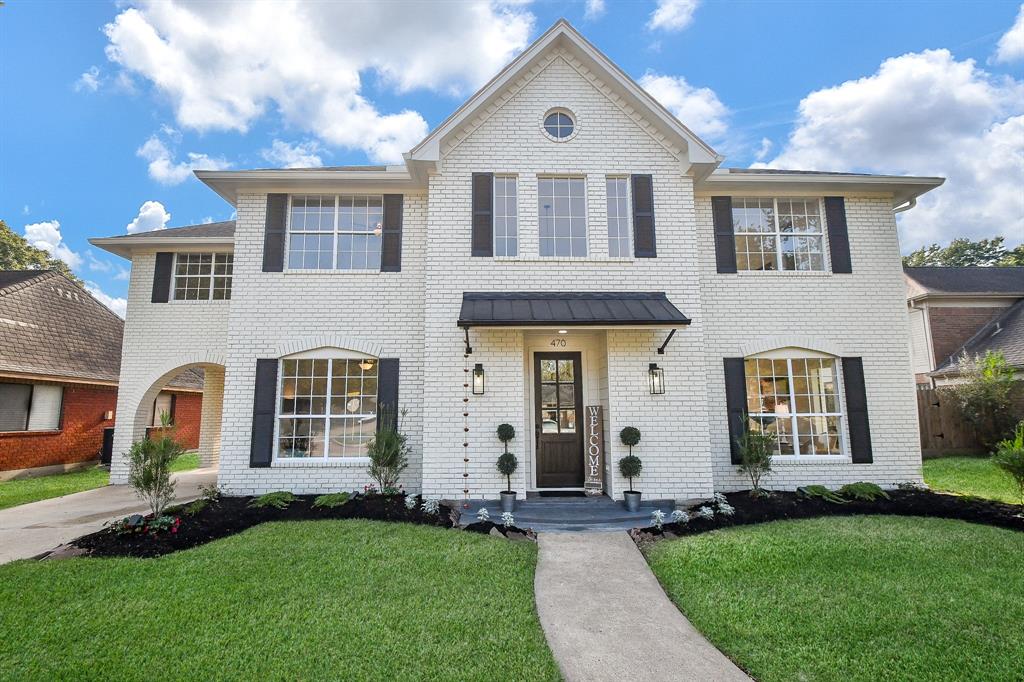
{"x":547,"y":370}
{"x":566,"y":395}
{"x":548,"y":395}
{"x":565,"y":370}
{"x":549,"y":421}
{"x":567,"y":421}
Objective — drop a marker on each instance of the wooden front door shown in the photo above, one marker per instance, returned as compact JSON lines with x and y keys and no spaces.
{"x":558,"y":401}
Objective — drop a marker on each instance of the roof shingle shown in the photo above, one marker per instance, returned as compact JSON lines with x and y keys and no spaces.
{"x":973,"y":280}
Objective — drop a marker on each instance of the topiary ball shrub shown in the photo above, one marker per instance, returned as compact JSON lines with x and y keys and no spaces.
{"x":507,"y":465}
{"x":506,"y":432}
{"x":630,"y":436}
{"x":630,"y":467}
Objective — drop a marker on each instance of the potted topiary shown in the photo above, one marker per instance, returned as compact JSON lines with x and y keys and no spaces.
{"x":630,"y":466}
{"x":507,"y":465}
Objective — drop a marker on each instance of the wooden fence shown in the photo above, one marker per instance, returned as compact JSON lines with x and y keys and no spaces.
{"x":943,"y":430}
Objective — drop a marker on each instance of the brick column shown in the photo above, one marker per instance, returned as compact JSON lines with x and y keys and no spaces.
{"x":209,"y":425}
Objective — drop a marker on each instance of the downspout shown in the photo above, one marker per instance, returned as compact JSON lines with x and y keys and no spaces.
{"x":927,"y":336}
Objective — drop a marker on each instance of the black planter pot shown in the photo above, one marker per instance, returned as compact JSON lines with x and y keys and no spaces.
{"x":632,"y":499}
{"x":508,"y":501}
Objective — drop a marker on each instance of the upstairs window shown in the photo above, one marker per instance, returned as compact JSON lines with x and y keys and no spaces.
{"x":506,"y":216}
{"x":203,"y":276}
{"x":559,"y":124}
{"x":335,"y":232}
{"x":562,"y":215}
{"x":778,"y":234}
{"x":618,"y":217}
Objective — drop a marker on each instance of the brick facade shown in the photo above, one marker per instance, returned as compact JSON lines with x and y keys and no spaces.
{"x":188,"y":410}
{"x":951,"y":327}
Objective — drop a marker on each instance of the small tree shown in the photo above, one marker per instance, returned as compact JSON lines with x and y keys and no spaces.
{"x":149,"y":468}
{"x":630,"y":467}
{"x":983,"y":396}
{"x":630,"y":436}
{"x":388,"y":452}
{"x":756,"y":451}
{"x":507,"y":465}
{"x":1009,"y":457}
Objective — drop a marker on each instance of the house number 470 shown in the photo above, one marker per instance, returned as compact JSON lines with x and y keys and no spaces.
{"x":558,"y":343}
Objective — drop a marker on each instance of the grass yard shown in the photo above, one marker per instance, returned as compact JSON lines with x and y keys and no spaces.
{"x":976,"y":476}
{"x":22,"y":491}
{"x":855,"y":598}
{"x":306,"y":600}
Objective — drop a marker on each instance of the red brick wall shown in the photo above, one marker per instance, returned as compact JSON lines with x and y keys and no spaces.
{"x":79,"y":439}
{"x":952,"y":327}
{"x":188,"y":410}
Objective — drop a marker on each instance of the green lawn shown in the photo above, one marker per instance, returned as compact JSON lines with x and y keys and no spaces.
{"x":976,"y":476}
{"x":314,"y":600}
{"x":855,"y":598}
{"x":13,"y":493}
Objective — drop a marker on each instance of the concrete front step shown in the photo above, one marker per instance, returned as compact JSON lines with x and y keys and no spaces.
{"x":568,"y":514}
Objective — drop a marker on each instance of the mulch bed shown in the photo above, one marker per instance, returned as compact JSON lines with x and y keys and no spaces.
{"x":791,"y":505}
{"x":230,"y":515}
{"x":496,"y":529}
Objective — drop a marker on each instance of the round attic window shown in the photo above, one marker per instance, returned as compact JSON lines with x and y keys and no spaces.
{"x":559,"y":124}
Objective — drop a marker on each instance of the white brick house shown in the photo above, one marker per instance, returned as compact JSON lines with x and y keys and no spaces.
{"x":559,"y":210}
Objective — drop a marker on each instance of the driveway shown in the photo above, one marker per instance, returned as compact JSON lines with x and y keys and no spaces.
{"x":29,"y":530}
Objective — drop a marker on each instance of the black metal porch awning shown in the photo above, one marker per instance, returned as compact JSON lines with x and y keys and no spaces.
{"x":569,"y":309}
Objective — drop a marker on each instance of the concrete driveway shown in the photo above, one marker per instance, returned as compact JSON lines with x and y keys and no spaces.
{"x":31,"y":529}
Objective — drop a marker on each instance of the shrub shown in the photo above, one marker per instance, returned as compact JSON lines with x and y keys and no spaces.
{"x":868,"y":492}
{"x":137,"y":524}
{"x":149,"y":471}
{"x":279,"y":499}
{"x":983,"y":396}
{"x":196,"y":506}
{"x":1009,"y":457}
{"x":630,"y":466}
{"x":756,"y":451}
{"x":506,"y":432}
{"x":507,"y":465}
{"x":821,"y":492}
{"x":388,"y":452}
{"x":331,"y":500}
{"x":210,"y":493}
{"x":630,"y":436}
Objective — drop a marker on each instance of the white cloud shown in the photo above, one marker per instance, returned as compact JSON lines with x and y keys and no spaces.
{"x":118,"y":305}
{"x":224,"y":65}
{"x":1011,"y":46}
{"x":152,"y":216}
{"x":25,"y":210}
{"x":164,"y":169}
{"x":46,"y":235}
{"x":765,"y":149}
{"x":672,"y":15}
{"x":97,"y":265}
{"x":925,"y":114}
{"x":594,"y":10}
{"x":89,"y":80}
{"x":298,"y":155}
{"x":698,"y":108}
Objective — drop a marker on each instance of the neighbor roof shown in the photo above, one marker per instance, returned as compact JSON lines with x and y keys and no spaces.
{"x":212,"y":234}
{"x":572,"y":308}
{"x":1004,"y":334}
{"x":971,"y":281}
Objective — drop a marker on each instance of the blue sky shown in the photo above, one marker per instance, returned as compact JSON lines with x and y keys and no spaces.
{"x":109,"y":105}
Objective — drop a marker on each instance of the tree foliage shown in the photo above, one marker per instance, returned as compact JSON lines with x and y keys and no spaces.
{"x":984,"y":396}
{"x":17,"y":254}
{"x":965,"y":252}
{"x":149,"y":468}
{"x":388,"y":452}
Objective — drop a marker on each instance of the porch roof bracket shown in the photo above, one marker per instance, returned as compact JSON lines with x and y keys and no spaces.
{"x":661,"y":350}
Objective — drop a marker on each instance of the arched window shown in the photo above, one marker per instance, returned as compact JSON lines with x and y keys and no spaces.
{"x":794,"y":393}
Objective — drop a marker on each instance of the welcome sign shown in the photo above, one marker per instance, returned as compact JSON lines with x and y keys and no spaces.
{"x":593,"y":450}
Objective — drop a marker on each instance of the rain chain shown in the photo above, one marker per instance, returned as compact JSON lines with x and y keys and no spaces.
{"x":465,"y":431}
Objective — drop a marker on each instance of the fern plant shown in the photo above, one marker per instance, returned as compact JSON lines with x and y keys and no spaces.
{"x":279,"y":499}
{"x":868,"y":492}
{"x":821,"y":492}
{"x":331,"y":500}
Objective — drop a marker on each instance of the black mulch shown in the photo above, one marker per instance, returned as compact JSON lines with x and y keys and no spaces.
{"x":790,"y":505}
{"x":231,"y":515}
{"x":510,"y":532}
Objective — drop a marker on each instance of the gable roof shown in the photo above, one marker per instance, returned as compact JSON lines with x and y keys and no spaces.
{"x":563,"y":35}
{"x":11,"y":278}
{"x":1004,"y":334}
{"x":967,"y":281}
{"x":211,"y":234}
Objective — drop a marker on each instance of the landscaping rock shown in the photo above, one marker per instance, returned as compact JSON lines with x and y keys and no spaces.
{"x":495,"y":533}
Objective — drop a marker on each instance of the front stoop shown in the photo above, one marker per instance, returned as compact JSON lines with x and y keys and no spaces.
{"x":570,"y":514}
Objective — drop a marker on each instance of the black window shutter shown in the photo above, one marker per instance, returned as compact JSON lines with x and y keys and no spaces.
{"x":274,"y":232}
{"x":391,"y":235}
{"x":644,"y":244}
{"x":736,"y":404}
{"x":725,"y":237}
{"x":483,"y":214}
{"x":263,"y":404}
{"x":857,"y":410}
{"x":838,"y":237}
{"x":162,"y":277}
{"x":387,"y":392}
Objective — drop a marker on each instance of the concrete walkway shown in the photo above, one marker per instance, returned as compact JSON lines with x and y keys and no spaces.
{"x":606,"y":617}
{"x":29,"y":530}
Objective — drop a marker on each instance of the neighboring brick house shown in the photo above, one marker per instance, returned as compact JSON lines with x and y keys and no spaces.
{"x":561,"y":242}
{"x":949,"y":306}
{"x":60,"y":358}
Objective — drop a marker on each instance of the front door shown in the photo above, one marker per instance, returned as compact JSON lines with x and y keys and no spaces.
{"x":558,"y":401}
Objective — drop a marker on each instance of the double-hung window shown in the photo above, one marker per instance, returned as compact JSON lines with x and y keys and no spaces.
{"x":778,"y":234}
{"x":618,"y":217}
{"x":562,"y":216}
{"x":30,"y":407}
{"x":797,"y":399}
{"x":335,"y":232}
{"x":203,"y":276}
{"x":506,"y":216}
{"x":327,"y":407}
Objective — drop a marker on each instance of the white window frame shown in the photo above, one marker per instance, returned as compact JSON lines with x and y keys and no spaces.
{"x":278,"y":415}
{"x":585,"y":217}
{"x":505,"y":177}
{"x":628,"y":216}
{"x":797,"y":456}
{"x":778,"y":234}
{"x":211,"y":277}
{"x":335,"y":232}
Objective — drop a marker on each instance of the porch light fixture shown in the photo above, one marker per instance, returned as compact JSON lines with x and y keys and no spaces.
{"x":657,"y":377}
{"x":478,"y":379}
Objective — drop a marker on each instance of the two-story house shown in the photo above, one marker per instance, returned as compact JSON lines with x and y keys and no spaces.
{"x":560,"y":243}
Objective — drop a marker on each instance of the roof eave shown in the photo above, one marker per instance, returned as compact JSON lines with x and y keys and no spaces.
{"x":229,"y":184}
{"x":902,"y":188}
{"x":124,"y":246}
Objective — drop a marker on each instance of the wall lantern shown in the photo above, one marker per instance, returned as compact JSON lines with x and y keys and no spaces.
{"x":478,"y":379}
{"x":657,"y":376}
